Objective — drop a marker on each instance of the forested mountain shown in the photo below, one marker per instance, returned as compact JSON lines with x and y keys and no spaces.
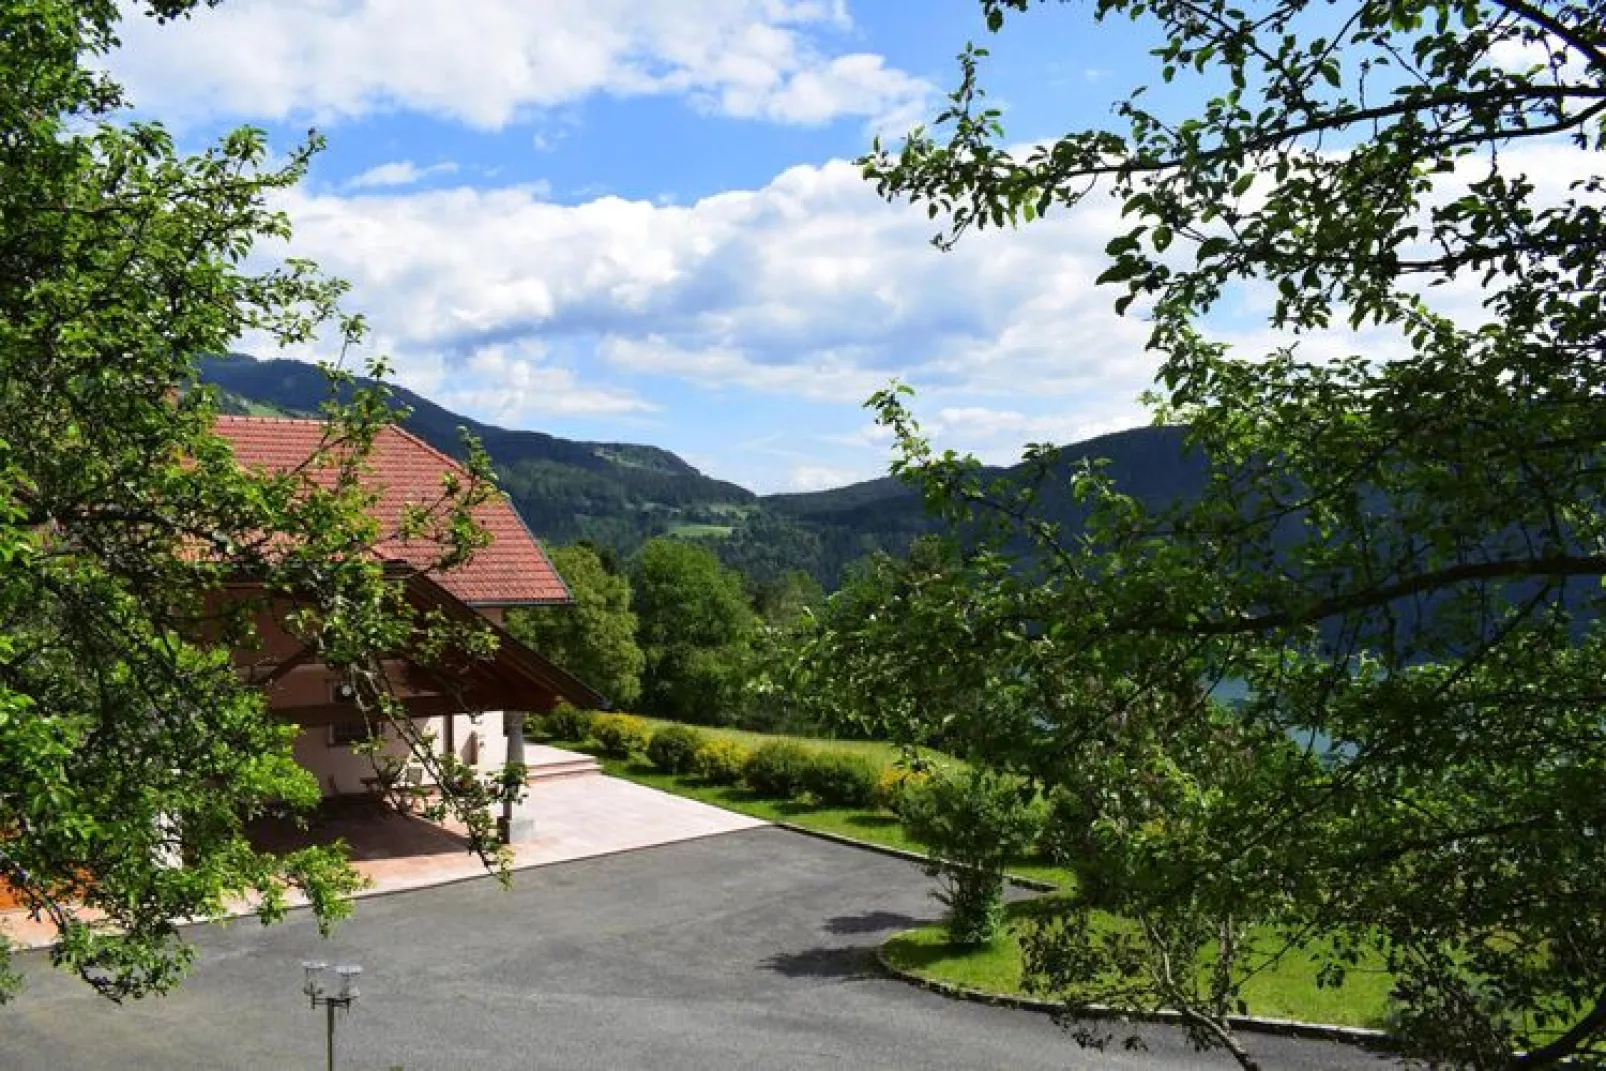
{"x":618,"y":495}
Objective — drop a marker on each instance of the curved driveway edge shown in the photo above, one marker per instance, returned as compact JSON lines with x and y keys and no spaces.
{"x":1018,"y":880}
{"x":1292,"y":1028}
{"x":1255,"y":1024}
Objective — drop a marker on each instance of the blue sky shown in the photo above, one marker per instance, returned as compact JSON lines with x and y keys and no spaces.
{"x":638,"y":219}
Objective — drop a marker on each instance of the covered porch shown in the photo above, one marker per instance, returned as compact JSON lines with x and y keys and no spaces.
{"x":473,"y":709}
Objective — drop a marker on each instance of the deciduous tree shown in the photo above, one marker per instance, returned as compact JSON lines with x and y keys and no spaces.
{"x":1400,"y":553}
{"x":696,"y":630}
{"x":134,"y":753}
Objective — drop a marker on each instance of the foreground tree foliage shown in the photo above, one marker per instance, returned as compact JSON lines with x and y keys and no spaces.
{"x":133,"y":752}
{"x":1399,"y":561}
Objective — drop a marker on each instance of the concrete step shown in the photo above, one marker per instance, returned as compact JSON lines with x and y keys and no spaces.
{"x":560,"y":770}
{"x":543,"y":763}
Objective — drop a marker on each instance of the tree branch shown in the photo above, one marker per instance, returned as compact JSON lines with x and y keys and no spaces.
{"x":1552,"y":567}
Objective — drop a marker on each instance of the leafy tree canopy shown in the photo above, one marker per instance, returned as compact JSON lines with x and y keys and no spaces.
{"x":134,"y":749}
{"x":783,"y":603}
{"x":595,"y":639}
{"x":696,"y":629}
{"x":1398,"y":562}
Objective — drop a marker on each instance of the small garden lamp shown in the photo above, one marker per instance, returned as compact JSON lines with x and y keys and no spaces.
{"x":317,"y":993}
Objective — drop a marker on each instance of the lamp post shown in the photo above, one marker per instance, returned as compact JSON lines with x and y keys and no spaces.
{"x":342,"y":997}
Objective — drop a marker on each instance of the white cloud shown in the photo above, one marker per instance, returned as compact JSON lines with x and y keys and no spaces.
{"x":399,"y":173}
{"x":996,"y":435}
{"x":490,"y":62}
{"x":510,"y":384}
{"x":841,"y":86}
{"x":807,"y":289}
{"x":823,"y":376}
{"x":822,"y":477}
{"x":1514,"y":54}
{"x":864,"y":435}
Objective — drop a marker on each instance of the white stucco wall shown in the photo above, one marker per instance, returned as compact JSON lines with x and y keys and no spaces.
{"x":340,"y":770}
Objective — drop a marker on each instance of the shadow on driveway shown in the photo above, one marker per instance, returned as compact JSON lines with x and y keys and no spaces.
{"x":841,"y":963}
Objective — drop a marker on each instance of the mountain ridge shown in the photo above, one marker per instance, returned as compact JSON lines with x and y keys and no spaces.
{"x":617,"y":495}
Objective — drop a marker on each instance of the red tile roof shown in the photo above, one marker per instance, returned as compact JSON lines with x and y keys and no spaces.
{"x":406,"y":470}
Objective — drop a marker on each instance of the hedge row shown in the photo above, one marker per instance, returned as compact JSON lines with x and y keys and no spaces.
{"x":780,"y":769}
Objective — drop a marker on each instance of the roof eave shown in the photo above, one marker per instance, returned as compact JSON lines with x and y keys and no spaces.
{"x":563,"y":683}
{"x":514,"y":604}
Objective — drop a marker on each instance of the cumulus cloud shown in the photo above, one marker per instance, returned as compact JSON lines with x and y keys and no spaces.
{"x":399,"y":173}
{"x":808,"y":288}
{"x":491,"y":62}
{"x":823,"y":477}
{"x":840,"y":86}
{"x":823,"y":376}
{"x":509,"y":384}
{"x":996,"y":435}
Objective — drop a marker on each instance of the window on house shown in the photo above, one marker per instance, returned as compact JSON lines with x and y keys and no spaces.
{"x":345,"y":734}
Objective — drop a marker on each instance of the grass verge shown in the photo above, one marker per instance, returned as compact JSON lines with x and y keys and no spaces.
{"x":1287,"y":990}
{"x":881,"y":754}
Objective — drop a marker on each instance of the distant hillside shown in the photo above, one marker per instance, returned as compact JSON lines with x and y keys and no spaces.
{"x":620,"y":494}
{"x":1149,"y":463}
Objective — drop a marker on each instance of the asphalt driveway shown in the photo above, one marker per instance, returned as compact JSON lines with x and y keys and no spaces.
{"x":745,"y":950}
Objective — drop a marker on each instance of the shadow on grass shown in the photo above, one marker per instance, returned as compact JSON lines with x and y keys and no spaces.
{"x":871,"y":823}
{"x":1035,"y":907}
{"x":643,"y":769}
{"x":923,"y":957}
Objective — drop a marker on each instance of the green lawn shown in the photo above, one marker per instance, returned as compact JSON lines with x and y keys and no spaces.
{"x":1285,"y":991}
{"x":701,"y":531}
{"x":878,"y":827}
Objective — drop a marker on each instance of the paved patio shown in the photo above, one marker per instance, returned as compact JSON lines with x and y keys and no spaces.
{"x":576,"y":817}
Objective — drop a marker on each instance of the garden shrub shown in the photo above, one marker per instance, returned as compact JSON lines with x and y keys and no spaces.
{"x":721,"y":762}
{"x":674,"y":747}
{"x":777,"y":769}
{"x":894,"y":783}
{"x":973,"y":822}
{"x":567,"y":723}
{"x":619,"y":736}
{"x":841,"y":778}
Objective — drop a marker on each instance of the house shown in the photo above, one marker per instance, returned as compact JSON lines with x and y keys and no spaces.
{"x":512,"y":571}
